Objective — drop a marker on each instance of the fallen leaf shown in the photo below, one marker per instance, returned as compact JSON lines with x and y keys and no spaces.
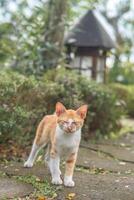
{"x":122,"y":163}
{"x":42,"y":198}
{"x":16,"y":170}
{"x":70,"y":196}
{"x":38,"y":179}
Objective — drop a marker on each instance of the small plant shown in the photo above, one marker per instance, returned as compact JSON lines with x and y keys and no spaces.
{"x":43,"y":188}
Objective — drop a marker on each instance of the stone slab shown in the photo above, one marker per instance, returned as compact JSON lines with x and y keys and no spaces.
{"x":17,"y":169}
{"x":119,"y":152}
{"x":91,"y":159}
{"x":88,"y":186}
{"x":10,"y":188}
{"x":100,"y":187}
{"x":86,"y":158}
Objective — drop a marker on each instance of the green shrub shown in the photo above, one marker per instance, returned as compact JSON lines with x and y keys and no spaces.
{"x":103,"y":113}
{"x":123,"y":73}
{"x":24,"y":101}
{"x":21,"y":105}
{"x":125,"y":94}
{"x":130,"y":102}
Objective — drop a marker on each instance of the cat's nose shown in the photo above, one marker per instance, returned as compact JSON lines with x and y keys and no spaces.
{"x":69,"y":128}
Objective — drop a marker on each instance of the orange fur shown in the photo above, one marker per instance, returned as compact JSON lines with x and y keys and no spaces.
{"x":70,"y":164}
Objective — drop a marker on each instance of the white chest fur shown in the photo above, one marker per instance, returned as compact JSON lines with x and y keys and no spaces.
{"x":67,"y":142}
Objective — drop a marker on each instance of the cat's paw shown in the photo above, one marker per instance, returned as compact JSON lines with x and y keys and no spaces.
{"x":28,"y":164}
{"x":68,"y":182}
{"x":57,"y":181}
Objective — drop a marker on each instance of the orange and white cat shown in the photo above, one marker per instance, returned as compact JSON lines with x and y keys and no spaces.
{"x":62,"y":133}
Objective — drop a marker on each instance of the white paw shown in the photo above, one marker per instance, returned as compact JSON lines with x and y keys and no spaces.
{"x":68,"y":182}
{"x":28,"y":164}
{"x":56,"y":181}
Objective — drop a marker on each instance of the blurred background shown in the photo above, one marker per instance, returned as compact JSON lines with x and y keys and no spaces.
{"x":71,"y":51}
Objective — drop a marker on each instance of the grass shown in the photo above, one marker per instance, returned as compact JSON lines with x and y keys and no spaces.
{"x":94,"y":170}
{"x":2,"y":174}
{"x":42,"y":188}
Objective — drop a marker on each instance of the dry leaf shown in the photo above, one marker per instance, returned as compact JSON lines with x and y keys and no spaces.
{"x":38,"y":179}
{"x":70,"y":196}
{"x":42,"y":198}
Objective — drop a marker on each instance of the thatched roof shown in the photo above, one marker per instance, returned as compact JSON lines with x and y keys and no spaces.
{"x":89,"y":32}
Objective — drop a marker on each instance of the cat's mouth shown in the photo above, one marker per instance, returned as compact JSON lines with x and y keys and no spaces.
{"x":69,"y":131}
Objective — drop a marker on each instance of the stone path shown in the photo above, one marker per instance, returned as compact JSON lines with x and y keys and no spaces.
{"x":10,"y":188}
{"x":123,"y":153}
{"x":88,"y":186}
{"x":92,"y":159}
{"x":105,"y":171}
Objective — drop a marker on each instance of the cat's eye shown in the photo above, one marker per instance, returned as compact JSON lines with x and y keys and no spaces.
{"x":75,"y":123}
{"x":65,"y":122}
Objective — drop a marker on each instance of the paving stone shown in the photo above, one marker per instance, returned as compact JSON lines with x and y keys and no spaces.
{"x":119,"y":152}
{"x":88,"y":186}
{"x":86,"y":158}
{"x":16,"y":169}
{"x":92,"y":159}
{"x":10,"y":188}
{"x":100,"y":187}
{"x":117,"y":158}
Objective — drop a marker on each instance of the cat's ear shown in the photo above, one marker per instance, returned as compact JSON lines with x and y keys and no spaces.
{"x":60,"y":109}
{"x":82,"y":111}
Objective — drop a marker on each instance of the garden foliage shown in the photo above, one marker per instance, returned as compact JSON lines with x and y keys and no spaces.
{"x":125,"y":94}
{"x":123,"y":73}
{"x":25,"y":100}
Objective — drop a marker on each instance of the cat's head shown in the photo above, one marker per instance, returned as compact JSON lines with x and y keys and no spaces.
{"x":70,"y":120}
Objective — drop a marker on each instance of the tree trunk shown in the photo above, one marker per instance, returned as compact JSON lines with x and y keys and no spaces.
{"x":54,"y":32}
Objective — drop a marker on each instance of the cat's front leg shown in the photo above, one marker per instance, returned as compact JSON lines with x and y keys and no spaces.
{"x":70,"y":164}
{"x":33,"y":154}
{"x":54,"y":163}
